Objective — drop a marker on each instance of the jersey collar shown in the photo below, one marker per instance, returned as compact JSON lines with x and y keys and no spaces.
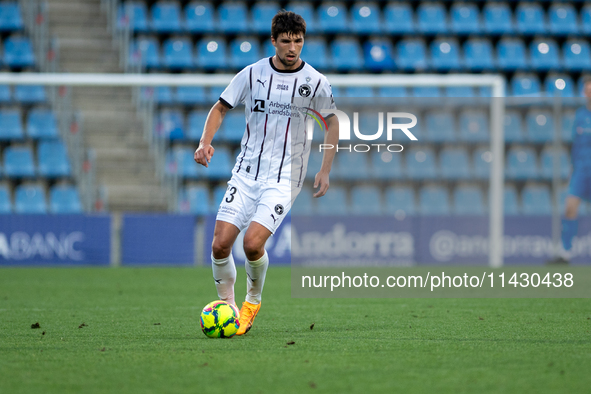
{"x":295,"y":70}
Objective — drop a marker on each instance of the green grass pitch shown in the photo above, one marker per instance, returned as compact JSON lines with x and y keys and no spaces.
{"x":123,"y":330}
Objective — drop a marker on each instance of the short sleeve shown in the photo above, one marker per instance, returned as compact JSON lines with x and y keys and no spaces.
{"x":325,"y":95}
{"x":236,"y":91}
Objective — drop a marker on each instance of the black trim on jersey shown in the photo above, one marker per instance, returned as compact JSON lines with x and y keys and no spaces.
{"x":265,"y":130}
{"x":245,"y":147}
{"x":250,"y":79}
{"x":286,"y":71}
{"x":227,"y":104}
{"x":286,"y":132}
{"x":302,"y":166}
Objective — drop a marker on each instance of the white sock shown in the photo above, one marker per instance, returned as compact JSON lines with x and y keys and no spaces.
{"x":255,"y":272}
{"x":224,"y":274}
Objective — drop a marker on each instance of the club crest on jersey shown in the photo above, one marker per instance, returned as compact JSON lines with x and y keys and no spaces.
{"x":279,"y":209}
{"x":304,"y":90}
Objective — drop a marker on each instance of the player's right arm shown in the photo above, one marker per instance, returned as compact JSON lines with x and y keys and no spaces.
{"x":214,"y":120}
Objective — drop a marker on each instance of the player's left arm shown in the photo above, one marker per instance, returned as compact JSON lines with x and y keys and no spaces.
{"x":331,"y":138}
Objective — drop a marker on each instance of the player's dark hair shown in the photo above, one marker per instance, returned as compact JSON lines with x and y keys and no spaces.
{"x":287,"y":22}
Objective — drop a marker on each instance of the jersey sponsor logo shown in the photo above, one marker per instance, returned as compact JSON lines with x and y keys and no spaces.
{"x":262,"y":82}
{"x":279,"y":209}
{"x":304,"y":90}
{"x":281,"y":86}
{"x":259,"y":106}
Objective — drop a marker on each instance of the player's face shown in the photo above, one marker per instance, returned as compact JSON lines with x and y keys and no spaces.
{"x":587,"y":90}
{"x":288,"y":48}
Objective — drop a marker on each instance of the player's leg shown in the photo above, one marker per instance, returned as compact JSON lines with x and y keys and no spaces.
{"x":222,"y":262}
{"x":570,"y":224}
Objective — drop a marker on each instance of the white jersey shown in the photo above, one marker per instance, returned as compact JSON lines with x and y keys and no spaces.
{"x":268,"y":151}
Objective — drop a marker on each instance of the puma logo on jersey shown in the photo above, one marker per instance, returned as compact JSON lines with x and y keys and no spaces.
{"x":274,"y":220}
{"x":262,"y":82}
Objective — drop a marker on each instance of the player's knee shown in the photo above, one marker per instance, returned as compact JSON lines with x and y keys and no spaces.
{"x":220,"y":250}
{"x":253,"y":249}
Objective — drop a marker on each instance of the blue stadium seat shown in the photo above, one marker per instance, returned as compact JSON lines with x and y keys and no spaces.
{"x":219,"y":192}
{"x":511,"y":201}
{"x":454,"y":163}
{"x":498,"y":18}
{"x":199,"y":200}
{"x":478,"y":55}
{"x":180,"y":161}
{"x":30,"y":94}
{"x":195,"y":123}
{"x":539,"y":125}
{"x":577,"y":55}
{"x":411,"y":54}
{"x":563,"y":19}
{"x":522,"y":163}
{"x":64,"y":199}
{"x":482,"y":157}
{"x":514,"y":127}
{"x":586,"y":19}
{"x":170,"y":124}
{"x":547,"y":161}
{"x":511,"y":54}
{"x":334,"y":202}
{"x":440,"y":127}
{"x":30,"y":199}
{"x":366,"y":200}
{"x":465,"y":18}
{"x":18,"y":162}
{"x":434,"y":200}
{"x":10,"y":17}
{"x":560,"y":85}
{"x":474,"y":126}
{"x":400,"y":199}
{"x":11,"y":125}
{"x":459,"y":91}
{"x":145,"y":51}
{"x":399,"y":18}
{"x":5,"y":94}
{"x":190,"y":95}
{"x":244,"y":51}
{"x":468,"y":200}
{"x":420,"y":164}
{"x":392,"y":91}
{"x":233,"y":17}
{"x":445,"y":54}
{"x":200,"y":17}
{"x":333,"y":18}
{"x":18,"y":52}
{"x":545,"y":55}
{"x":214,"y":93}
{"x":178,"y":54}
{"x":212,"y":53}
{"x":351,"y":166}
{"x":525,"y":85}
{"x":346,"y":54}
{"x":360,"y":91}
{"x":262,"y":14}
{"x":536,"y":200}
{"x":162,"y":95}
{"x":133,"y":14}
{"x":425,"y":91}
{"x":52,"y":158}
{"x":530,"y":18}
{"x":315,"y":50}
{"x":432,"y":18}
{"x":269,"y":50}
{"x":221,"y":164}
{"x":386,"y":165}
{"x":306,"y":10}
{"x":314,"y":163}
{"x":304,"y":203}
{"x":366,"y":18}
{"x":379,"y":55}
{"x":5,"y":202}
{"x":166,"y":17}
{"x":233,"y":127}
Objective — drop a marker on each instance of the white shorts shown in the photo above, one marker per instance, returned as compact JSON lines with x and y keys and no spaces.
{"x":247,"y":200}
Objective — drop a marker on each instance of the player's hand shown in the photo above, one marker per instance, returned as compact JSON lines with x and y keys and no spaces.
{"x":321,"y":180}
{"x":203,"y":154}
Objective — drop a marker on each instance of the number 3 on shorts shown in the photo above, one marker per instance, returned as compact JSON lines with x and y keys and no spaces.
{"x":230,"y":197}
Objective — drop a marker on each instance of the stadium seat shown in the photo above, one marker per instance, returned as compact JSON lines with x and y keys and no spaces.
{"x":536,"y":200}
{"x":386,"y":165}
{"x":399,"y":18}
{"x":539,"y":125}
{"x":563,"y":19}
{"x":262,"y":13}
{"x":269,"y":50}
{"x":392,"y":91}
{"x":133,"y":14}
{"x":5,"y":202}
{"x":5,"y":94}
{"x":315,"y":50}
{"x":445,"y":54}
{"x":511,"y":201}
{"x":545,"y":55}
{"x":474,"y":126}
{"x":162,"y":95}
{"x":425,"y":91}
{"x":306,"y":10}
{"x":586,"y":19}
{"x":420,"y":164}
{"x":166,"y":17}
{"x":200,"y":18}
{"x":400,"y":199}
{"x":530,"y":19}
{"x":18,"y":162}
{"x":30,"y":94}
{"x":351,"y":166}
{"x":233,"y":17}
{"x":304,"y":203}
{"x":366,"y":18}
{"x":454,"y":163}
{"x":215,"y":92}
{"x":30,"y":199}
{"x":64,"y":199}
{"x":465,"y":18}
{"x":18,"y":52}
{"x":145,"y":51}
{"x":346,"y":54}
{"x":478,"y":55}
{"x":178,"y":54}
{"x":190,"y":95}
{"x":498,"y":18}
{"x":525,"y":85}
{"x":482,"y":157}
{"x":547,"y":160}
{"x":170,"y":124}
{"x":221,"y":164}
{"x":511,"y":54}
{"x":195,"y":124}
{"x":459,"y":91}
{"x":180,"y":162}
{"x":522,"y":164}
{"x":514,"y":127}
{"x":432,"y":18}
{"x":212,"y":53}
{"x":314,"y":163}
{"x":434,"y":200}
{"x":52,"y":159}
{"x":560,"y":85}
{"x":233,"y":127}
{"x":468,"y":200}
{"x":10,"y":17}
{"x":411,"y":54}
{"x":360,"y":91}
{"x":11,"y":126}
{"x":244,"y":51}
{"x":379,"y":55}
{"x":333,"y":18}
{"x":219,"y":192}
{"x":577,"y":55}
{"x":333,"y":202}
{"x":366,"y":200}
{"x":440,"y":127}
{"x":199,"y":200}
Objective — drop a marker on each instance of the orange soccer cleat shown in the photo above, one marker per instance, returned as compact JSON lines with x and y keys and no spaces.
{"x":247,"y":314}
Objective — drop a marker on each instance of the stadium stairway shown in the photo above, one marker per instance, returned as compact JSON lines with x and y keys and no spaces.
{"x":125,"y":166}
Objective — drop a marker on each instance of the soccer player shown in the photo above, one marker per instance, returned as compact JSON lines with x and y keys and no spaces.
{"x":261,"y":190}
{"x":580,"y":181}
